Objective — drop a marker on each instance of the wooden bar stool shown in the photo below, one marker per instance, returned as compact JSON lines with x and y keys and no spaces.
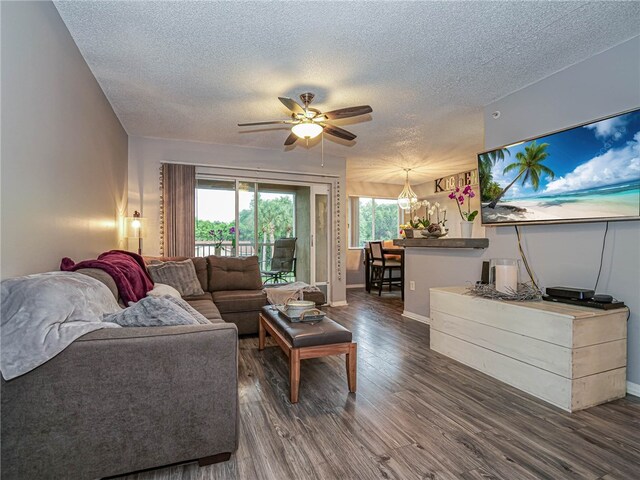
{"x":380,"y":265}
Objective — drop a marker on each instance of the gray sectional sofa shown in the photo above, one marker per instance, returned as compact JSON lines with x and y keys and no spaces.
{"x":121,"y":400}
{"x":127,"y":399}
{"x":233,"y":290}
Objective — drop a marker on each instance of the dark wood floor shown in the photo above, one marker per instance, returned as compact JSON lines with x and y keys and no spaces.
{"x":417,"y":415}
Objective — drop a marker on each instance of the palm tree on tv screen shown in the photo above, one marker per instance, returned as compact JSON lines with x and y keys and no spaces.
{"x":529,"y":166}
{"x":489,"y":188}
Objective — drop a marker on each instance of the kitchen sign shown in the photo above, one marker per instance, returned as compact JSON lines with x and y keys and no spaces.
{"x":446,"y":184}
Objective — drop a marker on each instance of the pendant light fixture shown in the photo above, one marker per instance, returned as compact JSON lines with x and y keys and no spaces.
{"x":407,"y":198}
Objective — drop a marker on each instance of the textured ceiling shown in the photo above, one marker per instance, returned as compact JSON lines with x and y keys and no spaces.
{"x":192,"y":70}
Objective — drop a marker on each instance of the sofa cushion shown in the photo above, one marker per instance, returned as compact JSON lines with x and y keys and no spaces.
{"x":234,"y":273}
{"x":317,"y":297}
{"x":200,"y":264}
{"x":104,"y":277}
{"x":180,"y":275}
{"x":206,"y":307}
{"x":230,"y":301}
{"x":245,"y":322}
{"x":201,"y":271}
{"x":204,"y":296}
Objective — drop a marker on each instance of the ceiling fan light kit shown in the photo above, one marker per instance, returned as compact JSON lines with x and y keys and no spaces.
{"x":309,"y":122}
{"x":307,"y":130}
{"x":407,"y":198}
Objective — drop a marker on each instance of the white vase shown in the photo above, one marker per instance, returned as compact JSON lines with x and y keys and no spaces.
{"x":466,"y":229}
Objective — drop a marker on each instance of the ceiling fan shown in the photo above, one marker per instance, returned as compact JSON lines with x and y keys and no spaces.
{"x":309,"y":122}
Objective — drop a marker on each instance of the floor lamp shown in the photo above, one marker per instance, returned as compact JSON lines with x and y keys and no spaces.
{"x":135,"y":228}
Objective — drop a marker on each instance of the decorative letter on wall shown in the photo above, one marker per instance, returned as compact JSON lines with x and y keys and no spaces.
{"x":446,"y":184}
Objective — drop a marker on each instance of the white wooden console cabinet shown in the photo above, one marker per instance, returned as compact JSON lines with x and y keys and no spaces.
{"x":571,"y":357}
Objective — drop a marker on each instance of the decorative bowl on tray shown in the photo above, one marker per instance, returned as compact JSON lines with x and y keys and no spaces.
{"x":301,"y":311}
{"x":311,"y":315}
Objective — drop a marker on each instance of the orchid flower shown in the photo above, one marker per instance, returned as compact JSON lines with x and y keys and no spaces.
{"x":459,"y":198}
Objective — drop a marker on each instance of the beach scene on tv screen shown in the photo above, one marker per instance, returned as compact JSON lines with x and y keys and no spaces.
{"x":587,"y":172}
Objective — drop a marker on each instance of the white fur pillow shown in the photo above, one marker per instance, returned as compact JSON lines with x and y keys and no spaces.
{"x":162,"y":289}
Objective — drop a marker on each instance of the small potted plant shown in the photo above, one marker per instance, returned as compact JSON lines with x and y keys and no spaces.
{"x":466,"y":225}
{"x":219,"y":236}
{"x":417,"y":223}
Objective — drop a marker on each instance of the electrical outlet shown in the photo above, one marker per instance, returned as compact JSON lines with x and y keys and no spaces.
{"x":412,"y":285}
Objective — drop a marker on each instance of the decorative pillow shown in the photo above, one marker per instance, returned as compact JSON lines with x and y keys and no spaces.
{"x":162,"y":290}
{"x":152,"y":312}
{"x":180,"y":275}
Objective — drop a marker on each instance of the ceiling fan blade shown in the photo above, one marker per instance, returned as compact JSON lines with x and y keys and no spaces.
{"x":291,"y":104}
{"x":338,"y":132}
{"x":348,"y":112}
{"x":274,"y":122}
{"x":291,"y":139}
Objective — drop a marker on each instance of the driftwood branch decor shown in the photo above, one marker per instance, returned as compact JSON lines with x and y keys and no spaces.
{"x":526,"y":292}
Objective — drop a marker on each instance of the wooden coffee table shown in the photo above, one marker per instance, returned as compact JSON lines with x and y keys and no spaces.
{"x":306,"y":340}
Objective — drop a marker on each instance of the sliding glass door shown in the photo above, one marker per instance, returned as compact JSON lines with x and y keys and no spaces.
{"x":247,"y":217}
{"x":244,"y":218}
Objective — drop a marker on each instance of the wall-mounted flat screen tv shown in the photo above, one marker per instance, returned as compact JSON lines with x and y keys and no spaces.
{"x":586,"y":173}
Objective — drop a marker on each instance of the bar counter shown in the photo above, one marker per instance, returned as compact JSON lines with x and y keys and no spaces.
{"x":442,"y":242}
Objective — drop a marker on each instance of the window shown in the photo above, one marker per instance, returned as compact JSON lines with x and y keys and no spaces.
{"x":372,"y":219}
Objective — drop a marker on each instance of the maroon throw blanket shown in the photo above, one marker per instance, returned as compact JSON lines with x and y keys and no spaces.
{"x":126,"y":268}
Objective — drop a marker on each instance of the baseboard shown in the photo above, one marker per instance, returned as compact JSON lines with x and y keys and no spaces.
{"x":356,"y":285}
{"x":341,"y":303}
{"x":416,"y":317}
{"x":633,"y":389}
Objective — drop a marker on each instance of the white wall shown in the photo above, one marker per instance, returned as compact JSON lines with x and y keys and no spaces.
{"x":567,"y":255}
{"x":64,"y":152}
{"x":146,"y":155}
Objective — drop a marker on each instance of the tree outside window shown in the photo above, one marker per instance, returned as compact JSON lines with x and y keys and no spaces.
{"x":373,"y":219}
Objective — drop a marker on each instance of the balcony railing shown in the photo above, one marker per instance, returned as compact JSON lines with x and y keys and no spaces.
{"x":226,"y":249}
{"x":243,"y":249}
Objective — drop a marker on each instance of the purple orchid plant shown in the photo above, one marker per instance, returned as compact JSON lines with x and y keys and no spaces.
{"x":220,"y":236}
{"x":459,"y":197}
